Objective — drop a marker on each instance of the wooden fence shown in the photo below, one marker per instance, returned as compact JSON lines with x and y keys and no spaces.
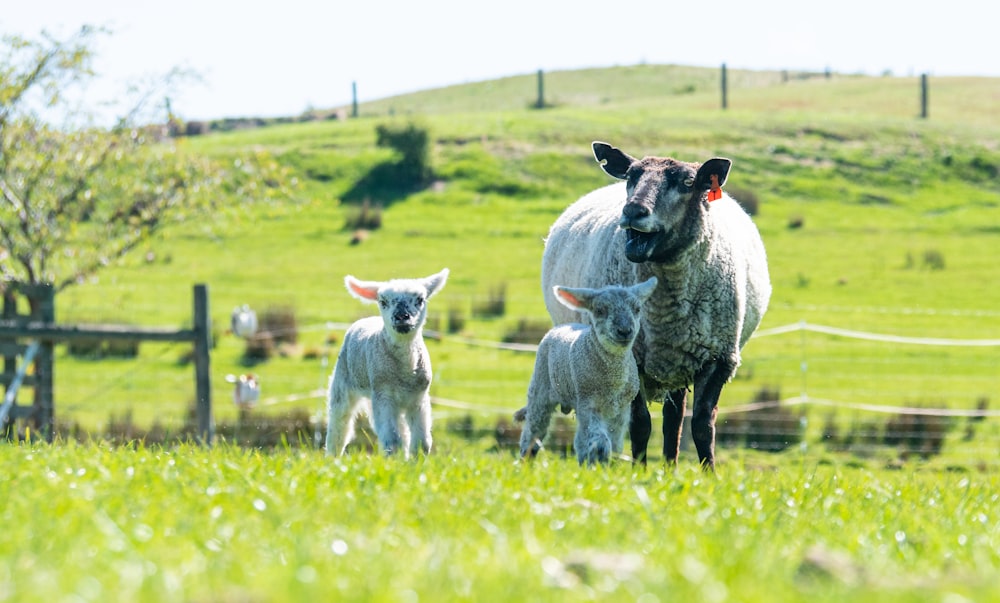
{"x":19,"y":331}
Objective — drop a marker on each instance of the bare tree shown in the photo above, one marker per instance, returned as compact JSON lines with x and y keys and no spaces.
{"x":76,"y":195}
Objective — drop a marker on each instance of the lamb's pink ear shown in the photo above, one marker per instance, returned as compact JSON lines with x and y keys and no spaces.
{"x":366,"y":291}
{"x":574,"y":299}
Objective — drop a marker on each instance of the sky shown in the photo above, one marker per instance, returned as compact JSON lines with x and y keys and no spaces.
{"x":283,"y":57}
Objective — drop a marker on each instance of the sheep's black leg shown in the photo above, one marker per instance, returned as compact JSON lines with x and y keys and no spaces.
{"x":708,"y":384}
{"x":673,"y":420}
{"x":639,"y":428}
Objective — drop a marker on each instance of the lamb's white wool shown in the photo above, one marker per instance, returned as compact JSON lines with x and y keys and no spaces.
{"x":588,"y":368}
{"x":383,"y":368}
{"x":714,"y":284}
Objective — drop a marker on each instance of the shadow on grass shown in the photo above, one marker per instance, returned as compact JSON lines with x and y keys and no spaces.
{"x":385,"y":184}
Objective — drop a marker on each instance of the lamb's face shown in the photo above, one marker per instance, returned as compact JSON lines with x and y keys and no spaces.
{"x":614,"y":310}
{"x":403,"y":308}
{"x":659,"y":197}
{"x":615,"y":317}
{"x":401,"y":302}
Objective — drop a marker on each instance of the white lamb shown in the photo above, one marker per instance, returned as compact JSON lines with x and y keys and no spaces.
{"x":589,"y":368}
{"x":383,"y":369}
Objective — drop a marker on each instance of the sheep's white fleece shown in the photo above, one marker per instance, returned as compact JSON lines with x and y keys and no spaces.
{"x":708,"y":302}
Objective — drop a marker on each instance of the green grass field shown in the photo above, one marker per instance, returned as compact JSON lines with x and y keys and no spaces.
{"x":89,"y":523}
{"x":874,"y":221}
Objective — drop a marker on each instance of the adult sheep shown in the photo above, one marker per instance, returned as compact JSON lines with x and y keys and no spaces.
{"x":713,"y":281}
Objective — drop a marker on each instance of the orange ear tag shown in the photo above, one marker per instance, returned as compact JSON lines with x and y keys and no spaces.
{"x":716,"y":191}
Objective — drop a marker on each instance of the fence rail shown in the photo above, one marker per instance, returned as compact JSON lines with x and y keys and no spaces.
{"x":41,"y":327}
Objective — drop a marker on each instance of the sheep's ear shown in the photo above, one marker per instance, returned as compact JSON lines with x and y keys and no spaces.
{"x":573,"y":298}
{"x":436,"y":282}
{"x":645,"y":289}
{"x":716,"y":166}
{"x":613,"y":161}
{"x":366,"y":291}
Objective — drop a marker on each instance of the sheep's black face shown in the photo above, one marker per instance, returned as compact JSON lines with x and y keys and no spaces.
{"x":658,"y":192}
{"x":641,"y":246}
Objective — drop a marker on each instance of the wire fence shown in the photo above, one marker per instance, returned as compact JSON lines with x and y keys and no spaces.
{"x":803,"y":386}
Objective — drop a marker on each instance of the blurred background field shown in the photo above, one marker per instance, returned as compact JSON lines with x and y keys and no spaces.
{"x":876,"y":221}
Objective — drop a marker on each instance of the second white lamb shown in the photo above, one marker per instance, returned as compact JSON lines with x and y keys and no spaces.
{"x":589,"y":368}
{"x":383,"y":368}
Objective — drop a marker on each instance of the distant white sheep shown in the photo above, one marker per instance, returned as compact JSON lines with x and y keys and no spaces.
{"x":246,"y":390}
{"x":243,"y":322}
{"x":383,"y":369}
{"x":668,"y":219}
{"x":588,"y":368}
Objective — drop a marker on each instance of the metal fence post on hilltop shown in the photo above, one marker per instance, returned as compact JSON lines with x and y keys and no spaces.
{"x":540,"y":103}
{"x":725,"y":100}
{"x":923,"y":96}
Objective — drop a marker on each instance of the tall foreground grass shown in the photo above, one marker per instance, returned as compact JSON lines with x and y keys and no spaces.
{"x":88,"y":522}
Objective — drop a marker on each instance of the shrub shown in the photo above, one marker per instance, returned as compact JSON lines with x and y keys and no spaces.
{"x":259,"y":348}
{"x":412,"y":142}
{"x":84,"y":348}
{"x":281,"y":323}
{"x":528,"y":331}
{"x":456,"y":320}
{"x":766,"y":425}
{"x":196,"y":128}
{"x":95,"y":348}
{"x":558,"y":440}
{"x":933,"y":259}
{"x":465,"y":427}
{"x":364,"y":217}
{"x":432,"y":326}
{"x":747,"y":199}
{"x":277,"y":326}
{"x":920,"y":434}
{"x":495,"y":304}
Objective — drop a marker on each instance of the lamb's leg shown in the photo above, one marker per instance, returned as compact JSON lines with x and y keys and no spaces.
{"x":592,"y":441}
{"x":673,"y":421}
{"x":537,"y":418}
{"x":340,"y":420}
{"x":403,"y":429}
{"x":639,"y":428}
{"x":616,"y":431}
{"x":420,"y":427}
{"x":708,"y":384}
{"x":385,"y":420}
{"x":538,"y":412}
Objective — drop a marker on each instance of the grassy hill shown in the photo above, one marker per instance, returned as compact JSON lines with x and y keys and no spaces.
{"x":874,"y":220}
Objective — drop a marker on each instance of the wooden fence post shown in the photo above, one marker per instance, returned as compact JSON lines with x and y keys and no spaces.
{"x":44,"y":309}
{"x":725,"y":100}
{"x":354,"y":99}
{"x":203,"y":381}
{"x":9,"y":431}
